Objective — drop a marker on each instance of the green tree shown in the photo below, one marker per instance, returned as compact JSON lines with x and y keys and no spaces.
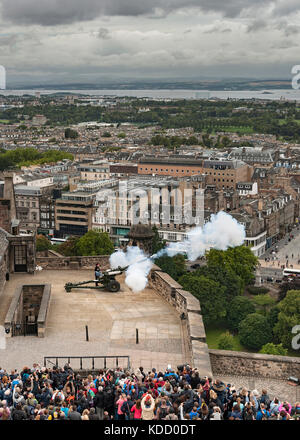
{"x":122,"y":135}
{"x":255,"y":331}
{"x":264,"y":303}
{"x":174,"y":266}
{"x":157,"y":243}
{"x":94,"y":243}
{"x":285,"y":287}
{"x":71,"y":134}
{"x":226,"y":341}
{"x":42,"y":243}
{"x":210,"y":294}
{"x":240,"y":259}
{"x":240,"y":307}
{"x":226,"y":142}
{"x":272,"y":316}
{"x":271,"y":348}
{"x":226,"y":276}
{"x":69,"y":247}
{"x":288,"y":317}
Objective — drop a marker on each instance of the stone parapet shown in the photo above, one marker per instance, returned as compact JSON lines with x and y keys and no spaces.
{"x":201,"y":360}
{"x":33,"y":298}
{"x":253,"y":364}
{"x":65,"y":263}
{"x":196,"y":327}
{"x":190,"y":311}
{"x":44,"y":310}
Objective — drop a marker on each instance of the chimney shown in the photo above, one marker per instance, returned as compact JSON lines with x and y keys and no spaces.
{"x":260,"y":204}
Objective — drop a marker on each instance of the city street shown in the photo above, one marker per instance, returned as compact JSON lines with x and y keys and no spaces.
{"x":290,"y":249}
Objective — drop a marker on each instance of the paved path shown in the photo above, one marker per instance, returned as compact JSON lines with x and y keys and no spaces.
{"x":112,"y":319}
{"x":275,"y":388}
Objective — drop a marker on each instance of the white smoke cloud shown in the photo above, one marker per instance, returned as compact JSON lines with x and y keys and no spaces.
{"x":221,"y":232}
{"x":139,"y":266}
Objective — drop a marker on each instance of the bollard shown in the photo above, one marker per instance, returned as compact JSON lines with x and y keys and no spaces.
{"x":137,"y":335}
{"x":87,"y":333}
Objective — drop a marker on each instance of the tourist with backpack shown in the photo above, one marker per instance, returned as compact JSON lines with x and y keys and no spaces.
{"x":126,"y":408}
{"x":262,"y":413}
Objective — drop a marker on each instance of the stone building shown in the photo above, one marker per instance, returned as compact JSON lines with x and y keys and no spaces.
{"x":28,"y":207}
{"x":256,"y":235}
{"x":224,"y":174}
{"x":141,"y":235}
{"x":17,"y":252}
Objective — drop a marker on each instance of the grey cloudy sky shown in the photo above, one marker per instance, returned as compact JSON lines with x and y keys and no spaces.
{"x":88,"y":40}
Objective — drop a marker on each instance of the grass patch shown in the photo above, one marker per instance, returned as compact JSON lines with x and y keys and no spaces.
{"x":213,"y":334}
{"x":241,"y":130}
{"x":285,"y":121}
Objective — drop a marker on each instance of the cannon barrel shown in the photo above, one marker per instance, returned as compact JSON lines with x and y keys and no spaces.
{"x":122,"y":269}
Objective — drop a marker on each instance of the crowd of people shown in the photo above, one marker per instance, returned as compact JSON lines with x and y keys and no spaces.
{"x":40,"y":393}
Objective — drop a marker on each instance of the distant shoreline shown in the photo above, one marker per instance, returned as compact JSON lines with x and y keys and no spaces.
{"x":165,"y":94}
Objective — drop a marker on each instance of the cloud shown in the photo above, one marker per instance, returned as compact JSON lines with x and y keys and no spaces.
{"x":283,"y":8}
{"x":82,"y":41}
{"x":104,"y":34}
{"x":257,"y":25}
{"x":58,"y":12}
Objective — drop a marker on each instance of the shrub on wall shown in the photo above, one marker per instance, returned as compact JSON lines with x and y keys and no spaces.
{"x":271,"y":348}
{"x":226,"y":341}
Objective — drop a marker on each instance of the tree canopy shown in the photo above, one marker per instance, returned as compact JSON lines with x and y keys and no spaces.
{"x":174,"y":266}
{"x":30,"y":156}
{"x":240,"y":259}
{"x":255,"y":331}
{"x":210,"y":294}
{"x":240,"y":307}
{"x":94,"y":243}
{"x":277,"y":350}
{"x":42,"y":243}
{"x":288,"y":317}
{"x":71,"y":134}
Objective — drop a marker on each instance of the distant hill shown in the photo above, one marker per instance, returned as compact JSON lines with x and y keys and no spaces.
{"x":213,"y":84}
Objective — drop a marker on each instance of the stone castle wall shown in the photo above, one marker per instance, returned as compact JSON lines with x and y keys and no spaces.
{"x":4,"y":258}
{"x":209,"y":362}
{"x":190,"y":311}
{"x":61,"y":262}
{"x":218,"y":362}
{"x":34,"y":298}
{"x":252,"y":364}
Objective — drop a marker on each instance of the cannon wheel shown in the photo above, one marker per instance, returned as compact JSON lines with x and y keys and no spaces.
{"x":113,"y":286}
{"x":68,"y":287}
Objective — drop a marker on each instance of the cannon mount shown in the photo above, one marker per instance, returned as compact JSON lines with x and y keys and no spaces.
{"x":106,"y":281}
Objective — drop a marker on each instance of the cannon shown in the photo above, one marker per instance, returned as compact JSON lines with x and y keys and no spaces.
{"x":107,"y":281}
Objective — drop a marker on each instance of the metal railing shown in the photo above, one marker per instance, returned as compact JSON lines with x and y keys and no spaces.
{"x":24,"y":329}
{"x":92,"y":363}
